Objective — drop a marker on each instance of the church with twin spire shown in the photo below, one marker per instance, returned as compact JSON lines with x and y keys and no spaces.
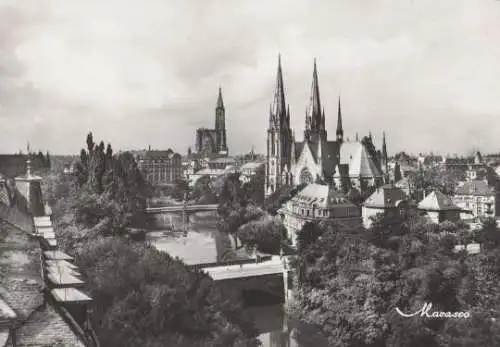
{"x":340,"y":163}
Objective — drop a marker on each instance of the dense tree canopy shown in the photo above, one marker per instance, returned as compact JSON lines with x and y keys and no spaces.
{"x":142,"y":296}
{"x":351,"y":281}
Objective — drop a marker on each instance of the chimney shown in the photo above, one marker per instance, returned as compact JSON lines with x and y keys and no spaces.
{"x":30,"y":188}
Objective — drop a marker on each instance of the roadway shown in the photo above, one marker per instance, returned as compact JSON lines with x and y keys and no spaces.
{"x":269,"y":267}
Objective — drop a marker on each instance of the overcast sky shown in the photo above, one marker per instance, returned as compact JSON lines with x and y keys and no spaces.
{"x":146,"y":72}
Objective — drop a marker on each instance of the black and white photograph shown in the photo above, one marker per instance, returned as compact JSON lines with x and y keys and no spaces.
{"x":249,"y":173}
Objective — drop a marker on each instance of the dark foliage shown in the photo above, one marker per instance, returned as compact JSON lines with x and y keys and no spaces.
{"x":352,"y":280}
{"x":142,"y":297}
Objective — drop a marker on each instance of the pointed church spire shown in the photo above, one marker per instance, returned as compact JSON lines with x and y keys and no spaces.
{"x":220,"y":103}
{"x":385,"y":160}
{"x":271,"y":117}
{"x":288,"y":116}
{"x":340,"y":130}
{"x":384,"y":147}
{"x":278,"y":106}
{"x":319,"y":156}
{"x":322,"y":124}
{"x":315,"y":103}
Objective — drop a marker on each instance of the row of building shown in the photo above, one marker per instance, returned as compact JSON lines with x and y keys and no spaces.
{"x":42,"y":302}
{"x":316,"y":202}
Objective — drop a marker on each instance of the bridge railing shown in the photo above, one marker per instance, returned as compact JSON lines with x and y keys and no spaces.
{"x":231,"y":262}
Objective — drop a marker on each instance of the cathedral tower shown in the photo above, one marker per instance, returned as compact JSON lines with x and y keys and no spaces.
{"x":315,"y":118}
{"x":220,"y":125}
{"x":340,"y":130}
{"x":279,"y":139}
{"x":385,"y":159}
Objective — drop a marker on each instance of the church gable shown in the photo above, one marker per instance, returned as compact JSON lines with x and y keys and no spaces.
{"x":306,"y":169}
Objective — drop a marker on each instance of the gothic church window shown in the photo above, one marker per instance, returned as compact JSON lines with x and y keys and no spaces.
{"x":305,"y":176}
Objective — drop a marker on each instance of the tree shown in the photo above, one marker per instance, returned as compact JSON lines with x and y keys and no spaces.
{"x":254,"y":189}
{"x":397,"y":173}
{"x":143,"y":297}
{"x":146,"y":298}
{"x":48,"y":164}
{"x":489,"y":234}
{"x":267,"y":234}
{"x":284,"y":193}
{"x":203,"y":191}
{"x":309,"y":234}
{"x":351,"y":281}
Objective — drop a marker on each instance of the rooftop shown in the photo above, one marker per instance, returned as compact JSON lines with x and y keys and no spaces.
{"x":155,"y":154}
{"x":222,"y":160}
{"x":360,"y":163}
{"x":251,"y":166}
{"x":21,"y":293}
{"x":387,"y":196}
{"x":322,"y":196}
{"x":437,"y":201}
{"x":476,"y":187}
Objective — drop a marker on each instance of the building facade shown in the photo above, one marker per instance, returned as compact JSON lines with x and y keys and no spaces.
{"x":251,"y":169}
{"x":210,"y":142}
{"x":316,"y":202}
{"x":477,"y":198}
{"x":315,"y":159}
{"x":439,"y":208}
{"x":388,"y":200}
{"x":160,"y":167}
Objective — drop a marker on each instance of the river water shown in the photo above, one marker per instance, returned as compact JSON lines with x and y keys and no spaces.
{"x":201,"y":244}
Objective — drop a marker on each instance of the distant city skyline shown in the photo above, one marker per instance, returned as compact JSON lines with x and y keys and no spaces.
{"x":147,"y":73}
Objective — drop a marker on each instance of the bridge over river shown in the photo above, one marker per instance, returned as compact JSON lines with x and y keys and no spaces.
{"x":182,"y":208}
{"x":254,"y":274}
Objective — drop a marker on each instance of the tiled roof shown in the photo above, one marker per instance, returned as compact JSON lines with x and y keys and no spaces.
{"x":323,"y":196}
{"x":437,"y":201}
{"x":21,"y":289}
{"x":251,"y":166}
{"x":360,"y":163}
{"x":160,"y":154}
{"x":477,"y":187}
{"x":45,"y":327}
{"x":497,"y":170}
{"x":223,"y":160}
{"x":386,"y":197}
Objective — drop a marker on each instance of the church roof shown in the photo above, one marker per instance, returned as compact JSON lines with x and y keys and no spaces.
{"x":386,"y":197}
{"x":360,"y":163}
{"x":322,"y":196}
{"x":329,"y":150}
{"x":437,"y":201}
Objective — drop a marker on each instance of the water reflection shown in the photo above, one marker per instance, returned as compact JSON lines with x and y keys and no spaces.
{"x":199,"y":245}
{"x":204,"y":244}
{"x":276,"y":331}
